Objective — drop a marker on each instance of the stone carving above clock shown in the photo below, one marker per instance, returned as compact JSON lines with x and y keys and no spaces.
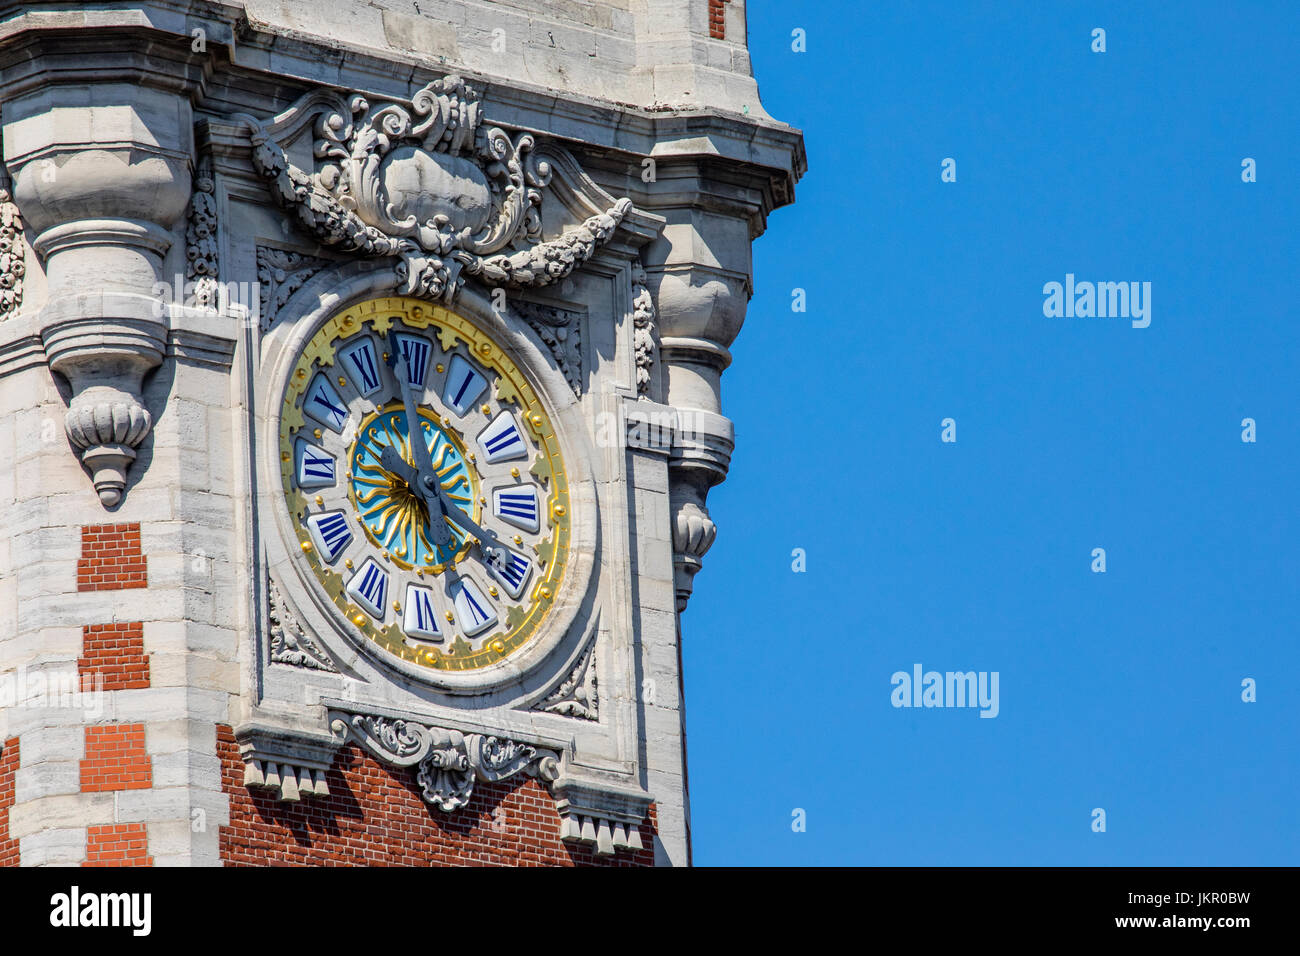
{"x":428,"y":183}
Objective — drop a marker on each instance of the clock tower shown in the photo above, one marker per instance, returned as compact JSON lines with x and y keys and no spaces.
{"x":359,"y":404}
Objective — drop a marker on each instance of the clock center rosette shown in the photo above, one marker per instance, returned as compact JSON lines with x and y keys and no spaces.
{"x":391,"y":513}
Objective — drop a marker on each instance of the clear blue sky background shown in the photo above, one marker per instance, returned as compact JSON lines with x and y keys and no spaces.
{"x":1119,"y":690}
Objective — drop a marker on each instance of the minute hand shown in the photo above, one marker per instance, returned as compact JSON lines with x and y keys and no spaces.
{"x":420,"y":455}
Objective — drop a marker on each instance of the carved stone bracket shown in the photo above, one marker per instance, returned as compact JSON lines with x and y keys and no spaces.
{"x":576,"y":695}
{"x":290,"y":642}
{"x":447,"y":762}
{"x":13,"y":258}
{"x":603,"y":816}
{"x":291,"y":765}
{"x":428,"y":184}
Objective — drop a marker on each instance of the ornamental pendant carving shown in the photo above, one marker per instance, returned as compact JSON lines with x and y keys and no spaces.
{"x":447,"y":762}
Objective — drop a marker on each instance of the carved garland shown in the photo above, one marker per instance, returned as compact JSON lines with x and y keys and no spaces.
{"x":643,"y":330}
{"x":201,"y":238}
{"x":12,"y":257}
{"x":429,"y":186}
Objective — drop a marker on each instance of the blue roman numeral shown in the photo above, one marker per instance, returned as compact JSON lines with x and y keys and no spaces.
{"x":464,"y":385}
{"x":420,"y":620}
{"x":424,"y":618}
{"x":514,"y":572}
{"x":416,"y":354}
{"x":363,"y":360}
{"x":332,"y":533}
{"x":518,"y":506}
{"x":478,"y":614}
{"x":373,"y":585}
{"x":314,"y":467}
{"x":322,"y":405}
{"x":501,"y":439}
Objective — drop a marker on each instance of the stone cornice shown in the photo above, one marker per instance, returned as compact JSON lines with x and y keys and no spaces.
{"x":275,"y":67}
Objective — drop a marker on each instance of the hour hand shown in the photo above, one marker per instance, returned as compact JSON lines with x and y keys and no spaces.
{"x":392,"y":462}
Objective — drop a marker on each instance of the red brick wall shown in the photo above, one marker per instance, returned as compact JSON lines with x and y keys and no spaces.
{"x":111,"y":558}
{"x":115,"y":654}
{"x":374,"y":816}
{"x":717,"y":19}
{"x":123,"y":844}
{"x":8,"y":765}
{"x":115,"y":759}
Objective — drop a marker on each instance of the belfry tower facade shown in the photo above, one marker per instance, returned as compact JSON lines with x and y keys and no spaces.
{"x":359,"y":404}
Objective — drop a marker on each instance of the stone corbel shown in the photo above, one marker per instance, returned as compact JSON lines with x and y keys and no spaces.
{"x":700,"y":310}
{"x":603,"y":816}
{"x":291,"y":765}
{"x":103,"y":220}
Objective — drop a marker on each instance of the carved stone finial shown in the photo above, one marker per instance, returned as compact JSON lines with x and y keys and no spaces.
{"x":693,"y":534}
{"x":107,"y":432}
{"x":102,"y":217}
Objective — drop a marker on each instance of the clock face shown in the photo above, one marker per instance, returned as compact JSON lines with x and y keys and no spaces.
{"x":425,"y":484}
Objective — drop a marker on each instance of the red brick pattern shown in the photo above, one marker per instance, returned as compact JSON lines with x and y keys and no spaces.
{"x":111,"y":558}
{"x":8,"y":766}
{"x":122,"y":844}
{"x":114,"y":654}
{"x":374,"y":816}
{"x":717,"y":19}
{"x":115,"y":759}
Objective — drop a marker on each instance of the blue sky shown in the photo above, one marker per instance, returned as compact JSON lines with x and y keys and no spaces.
{"x":1119,"y":690}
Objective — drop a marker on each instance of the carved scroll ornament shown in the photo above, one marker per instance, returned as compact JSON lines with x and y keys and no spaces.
{"x":429,"y":184}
